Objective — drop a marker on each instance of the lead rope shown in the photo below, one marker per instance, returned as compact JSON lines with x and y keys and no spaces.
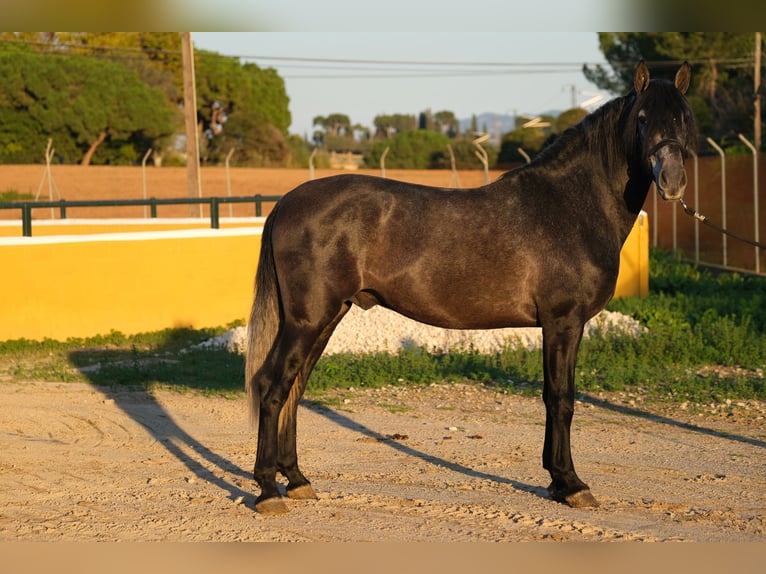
{"x":698,"y":216}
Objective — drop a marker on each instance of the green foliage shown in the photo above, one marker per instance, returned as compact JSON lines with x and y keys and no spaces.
{"x":722,"y":87}
{"x":74,"y":100}
{"x":569,"y":118}
{"x":15,"y":195}
{"x":256,"y":105}
{"x":511,"y":367}
{"x":387,"y":125}
{"x":531,"y":140}
{"x":696,"y":319}
{"x":465,"y":154}
{"x":74,"y":86}
{"x":414,"y":149}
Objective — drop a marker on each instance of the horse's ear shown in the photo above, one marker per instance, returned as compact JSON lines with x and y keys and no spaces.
{"x":683,"y":77}
{"x":641,"y":78}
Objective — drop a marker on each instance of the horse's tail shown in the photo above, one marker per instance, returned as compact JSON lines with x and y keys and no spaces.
{"x":263,"y":327}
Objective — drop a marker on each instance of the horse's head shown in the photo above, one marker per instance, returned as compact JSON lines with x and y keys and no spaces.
{"x":666,"y":129}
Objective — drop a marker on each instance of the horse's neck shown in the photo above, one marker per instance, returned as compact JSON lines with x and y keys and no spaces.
{"x":621,"y":189}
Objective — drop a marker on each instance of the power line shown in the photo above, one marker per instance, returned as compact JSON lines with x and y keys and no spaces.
{"x":348,"y":68}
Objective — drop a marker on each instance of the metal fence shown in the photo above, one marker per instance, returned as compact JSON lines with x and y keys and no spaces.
{"x":27,"y":207}
{"x":725,"y":189}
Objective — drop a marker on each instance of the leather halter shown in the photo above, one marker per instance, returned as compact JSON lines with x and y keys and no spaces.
{"x":666,"y":142}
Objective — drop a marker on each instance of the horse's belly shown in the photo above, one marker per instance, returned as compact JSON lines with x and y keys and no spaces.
{"x":463,"y":309}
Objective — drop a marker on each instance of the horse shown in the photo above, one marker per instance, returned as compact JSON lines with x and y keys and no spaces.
{"x":537,"y":247}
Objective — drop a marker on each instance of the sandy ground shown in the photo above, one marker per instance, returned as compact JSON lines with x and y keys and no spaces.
{"x":440,"y":463}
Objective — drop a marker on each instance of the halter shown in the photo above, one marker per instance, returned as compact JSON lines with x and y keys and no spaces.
{"x":666,"y":142}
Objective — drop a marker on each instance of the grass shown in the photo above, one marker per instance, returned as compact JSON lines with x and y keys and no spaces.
{"x":706,"y":342}
{"x":14,"y":195}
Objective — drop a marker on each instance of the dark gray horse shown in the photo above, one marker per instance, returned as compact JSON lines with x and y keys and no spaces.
{"x":538,"y":247}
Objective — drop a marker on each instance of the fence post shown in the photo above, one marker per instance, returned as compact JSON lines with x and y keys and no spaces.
{"x":153,"y":208}
{"x":311,"y":163}
{"x":755,"y":199}
{"x":62,"y":208}
{"x":655,"y":214}
{"x":717,"y":148}
{"x":258,"y":205}
{"x":696,"y":204}
{"x":214,"y":219}
{"x":228,"y":181}
{"x":383,"y":162}
{"x":26,"y":219}
{"x":481,"y":153}
{"x":143,"y":174}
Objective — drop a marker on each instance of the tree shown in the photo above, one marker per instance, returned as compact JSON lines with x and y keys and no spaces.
{"x":447,"y":123}
{"x":721,"y":94}
{"x":569,"y":118}
{"x":255,"y":104}
{"x":531,"y":140}
{"x":412,"y":149}
{"x":387,"y":126}
{"x":81,"y":103}
{"x":337,"y":133}
{"x":252,"y":101}
{"x":334,"y":124}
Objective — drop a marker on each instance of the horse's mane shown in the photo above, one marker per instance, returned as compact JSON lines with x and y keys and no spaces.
{"x":602,"y":132}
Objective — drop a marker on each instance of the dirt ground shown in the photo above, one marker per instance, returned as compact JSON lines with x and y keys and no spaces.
{"x":441,"y":463}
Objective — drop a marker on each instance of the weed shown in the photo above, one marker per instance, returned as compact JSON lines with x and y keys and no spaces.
{"x":14,"y":195}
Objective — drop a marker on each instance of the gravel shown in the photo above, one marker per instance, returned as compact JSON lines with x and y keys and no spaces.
{"x":382,"y":330}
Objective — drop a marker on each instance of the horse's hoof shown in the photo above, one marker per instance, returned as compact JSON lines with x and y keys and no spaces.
{"x":271,"y":506}
{"x":581,"y":499}
{"x":302,"y":492}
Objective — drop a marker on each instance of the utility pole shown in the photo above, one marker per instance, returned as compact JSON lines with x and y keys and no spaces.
{"x":190,"y":116}
{"x":757,"y":103}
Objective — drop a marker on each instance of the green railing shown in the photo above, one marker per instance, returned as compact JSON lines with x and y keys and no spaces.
{"x":27,"y":207}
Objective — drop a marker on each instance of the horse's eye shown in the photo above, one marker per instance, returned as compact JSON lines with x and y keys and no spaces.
{"x":642,"y":117}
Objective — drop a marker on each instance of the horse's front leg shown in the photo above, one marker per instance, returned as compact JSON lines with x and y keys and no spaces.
{"x":560,"y":345}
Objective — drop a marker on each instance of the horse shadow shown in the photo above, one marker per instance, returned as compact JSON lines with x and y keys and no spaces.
{"x":347,"y":422}
{"x":133,"y":396}
{"x":656,"y":418}
{"x":137,"y":402}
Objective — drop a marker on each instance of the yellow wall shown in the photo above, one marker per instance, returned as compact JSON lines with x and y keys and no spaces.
{"x":60,"y":286}
{"x":634,"y":261}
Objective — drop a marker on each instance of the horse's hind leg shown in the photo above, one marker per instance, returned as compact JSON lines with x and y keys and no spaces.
{"x":281,"y":382}
{"x":560,"y":345}
{"x":274,"y":383}
{"x":298,"y":486}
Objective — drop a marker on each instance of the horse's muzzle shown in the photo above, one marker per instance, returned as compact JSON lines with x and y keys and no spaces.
{"x":667,"y":162}
{"x":670,"y":179}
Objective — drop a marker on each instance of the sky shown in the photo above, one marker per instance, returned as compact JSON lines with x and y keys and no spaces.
{"x":364,"y":75}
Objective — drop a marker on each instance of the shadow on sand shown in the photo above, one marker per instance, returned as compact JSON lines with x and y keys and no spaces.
{"x":137,"y":402}
{"x":141,"y":406}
